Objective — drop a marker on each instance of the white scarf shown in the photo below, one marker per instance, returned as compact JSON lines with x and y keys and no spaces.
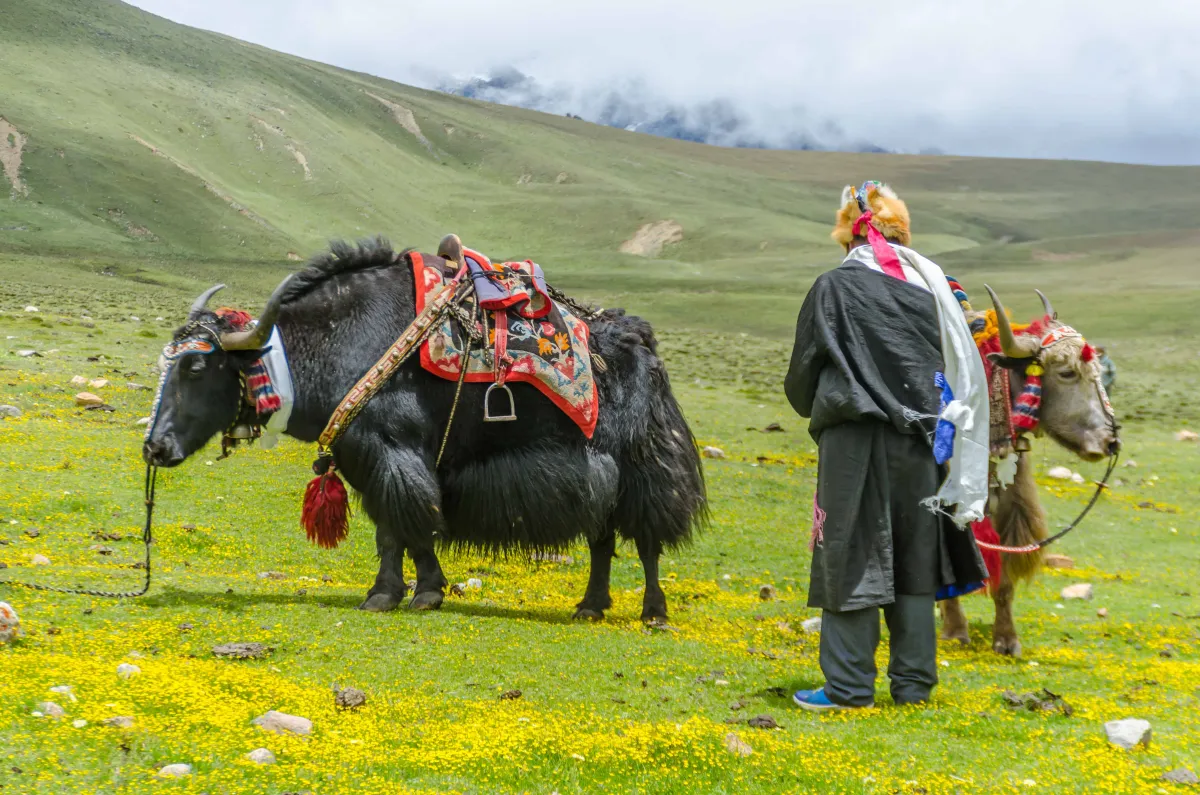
{"x":276,"y":363}
{"x":966,"y":484}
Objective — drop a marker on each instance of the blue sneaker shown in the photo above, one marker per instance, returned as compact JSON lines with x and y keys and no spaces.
{"x":817,"y":701}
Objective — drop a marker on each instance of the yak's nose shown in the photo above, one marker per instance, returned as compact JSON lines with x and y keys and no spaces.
{"x":1114,"y":446}
{"x":161,"y":453}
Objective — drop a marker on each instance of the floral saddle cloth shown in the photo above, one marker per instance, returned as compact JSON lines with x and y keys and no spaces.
{"x":540,"y":342}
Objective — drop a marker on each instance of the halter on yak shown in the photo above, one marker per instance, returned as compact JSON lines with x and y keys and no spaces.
{"x":1005,"y":347}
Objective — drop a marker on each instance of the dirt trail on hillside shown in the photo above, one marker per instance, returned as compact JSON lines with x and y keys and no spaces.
{"x":301,"y":159}
{"x":404,"y":117}
{"x":649,"y":239}
{"x":291,"y":145}
{"x":208,"y":186}
{"x":11,"y":144}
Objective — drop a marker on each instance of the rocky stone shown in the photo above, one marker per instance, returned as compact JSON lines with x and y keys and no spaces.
{"x":712,"y":452}
{"x":763,"y":722}
{"x":175,"y":771}
{"x":79,"y":381}
{"x":51,"y":710}
{"x":510,"y":695}
{"x":88,"y":399}
{"x":79,"y":724}
{"x":243,"y":651}
{"x":1102,"y":612}
{"x":143,"y":421}
{"x":128,"y":670}
{"x":736,"y":745}
{"x":10,"y":624}
{"x":10,"y":411}
{"x":1128,"y":734}
{"x":98,"y":383}
{"x":1187,"y":436}
{"x":261,"y":756}
{"x":65,"y":690}
{"x":272,"y":575}
{"x":474,"y":584}
{"x":812,"y":624}
{"x":282,"y":723}
{"x":1059,"y":562}
{"x":39,"y":560}
{"x":1078,"y":478}
{"x":458,"y":588}
{"x":350,"y":698}
{"x":1182,"y":776}
{"x":25,"y":354}
{"x":1130,"y":464}
{"x":1080,"y":590}
{"x":119,"y":722}
{"x":32,"y":308}
{"x":1060,"y":473}
{"x":766,"y":593}
{"x":100,"y":549}
{"x":137,"y":387}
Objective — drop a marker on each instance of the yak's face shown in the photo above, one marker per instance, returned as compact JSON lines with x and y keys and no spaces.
{"x":1075,"y":411}
{"x":1074,"y":408}
{"x":199,"y":397}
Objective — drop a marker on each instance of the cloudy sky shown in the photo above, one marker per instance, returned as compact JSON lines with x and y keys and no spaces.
{"x":1103,"y":79}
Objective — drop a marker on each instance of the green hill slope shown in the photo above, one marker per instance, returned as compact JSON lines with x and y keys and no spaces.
{"x":153,"y":150}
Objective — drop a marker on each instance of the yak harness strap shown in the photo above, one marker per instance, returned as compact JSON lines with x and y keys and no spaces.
{"x":379,"y":373}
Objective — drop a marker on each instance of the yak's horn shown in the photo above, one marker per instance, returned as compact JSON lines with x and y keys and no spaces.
{"x":201,"y":303}
{"x":257,"y":337}
{"x":1049,"y":307}
{"x":1008,"y":341}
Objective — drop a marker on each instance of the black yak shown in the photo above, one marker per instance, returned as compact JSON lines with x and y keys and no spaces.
{"x":533,"y":484}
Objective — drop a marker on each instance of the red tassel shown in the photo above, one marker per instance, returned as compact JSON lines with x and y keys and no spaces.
{"x":985,"y":532}
{"x":1025,"y":413}
{"x":326,"y":514}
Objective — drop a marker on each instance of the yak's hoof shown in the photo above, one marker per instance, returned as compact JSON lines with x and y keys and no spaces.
{"x":426,"y":600}
{"x":380,"y":603}
{"x":588,"y":614}
{"x":960,"y":635}
{"x":1007,"y":645}
{"x":654,"y":615}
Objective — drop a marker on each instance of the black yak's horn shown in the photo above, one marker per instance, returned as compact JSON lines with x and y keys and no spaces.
{"x":257,"y":337}
{"x":1049,"y":307}
{"x":201,"y":303}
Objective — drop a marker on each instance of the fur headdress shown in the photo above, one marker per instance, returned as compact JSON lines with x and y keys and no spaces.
{"x":889,"y":214}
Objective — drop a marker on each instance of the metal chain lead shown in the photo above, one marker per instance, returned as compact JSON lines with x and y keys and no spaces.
{"x":147,"y":540}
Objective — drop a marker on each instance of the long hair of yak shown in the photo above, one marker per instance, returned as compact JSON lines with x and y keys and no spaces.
{"x":1020,"y":520}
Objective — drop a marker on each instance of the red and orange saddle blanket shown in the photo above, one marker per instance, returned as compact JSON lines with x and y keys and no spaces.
{"x":530,"y":338}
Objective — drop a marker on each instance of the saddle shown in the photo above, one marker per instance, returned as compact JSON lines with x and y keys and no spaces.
{"x":526,"y":336}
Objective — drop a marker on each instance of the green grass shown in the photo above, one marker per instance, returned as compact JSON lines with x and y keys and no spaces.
{"x":112,"y":231}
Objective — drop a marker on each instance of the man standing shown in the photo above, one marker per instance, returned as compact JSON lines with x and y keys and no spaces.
{"x":885,"y":368}
{"x":1108,"y":370}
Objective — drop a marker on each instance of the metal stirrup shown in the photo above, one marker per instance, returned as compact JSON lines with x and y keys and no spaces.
{"x":487,"y":404}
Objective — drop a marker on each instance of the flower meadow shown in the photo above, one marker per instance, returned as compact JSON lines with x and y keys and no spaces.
{"x":610,"y":706}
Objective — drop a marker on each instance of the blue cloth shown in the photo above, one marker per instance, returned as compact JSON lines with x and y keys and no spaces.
{"x":943,"y":438}
{"x":955,"y":591}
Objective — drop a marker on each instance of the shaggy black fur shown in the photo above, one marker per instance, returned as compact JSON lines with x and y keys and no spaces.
{"x":533,"y":484}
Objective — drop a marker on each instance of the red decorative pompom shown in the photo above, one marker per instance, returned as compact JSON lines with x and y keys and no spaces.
{"x":1088,"y":353}
{"x":985,"y":532}
{"x":326,"y":514}
{"x":236,"y":317}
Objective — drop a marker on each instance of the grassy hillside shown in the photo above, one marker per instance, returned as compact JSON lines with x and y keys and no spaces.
{"x":152,"y":149}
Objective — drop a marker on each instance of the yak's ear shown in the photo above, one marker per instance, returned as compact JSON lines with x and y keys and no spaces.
{"x":1009,"y":363}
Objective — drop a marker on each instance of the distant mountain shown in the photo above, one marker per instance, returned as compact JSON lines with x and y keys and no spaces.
{"x":720,"y":122}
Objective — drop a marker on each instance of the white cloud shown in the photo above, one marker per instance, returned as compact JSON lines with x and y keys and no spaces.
{"x":1107,"y":79}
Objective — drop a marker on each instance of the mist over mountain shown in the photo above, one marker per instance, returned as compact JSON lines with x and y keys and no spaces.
{"x":631,"y":105}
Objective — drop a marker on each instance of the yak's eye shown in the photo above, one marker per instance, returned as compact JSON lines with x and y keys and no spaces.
{"x":1068,"y":375}
{"x":196,"y":365}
